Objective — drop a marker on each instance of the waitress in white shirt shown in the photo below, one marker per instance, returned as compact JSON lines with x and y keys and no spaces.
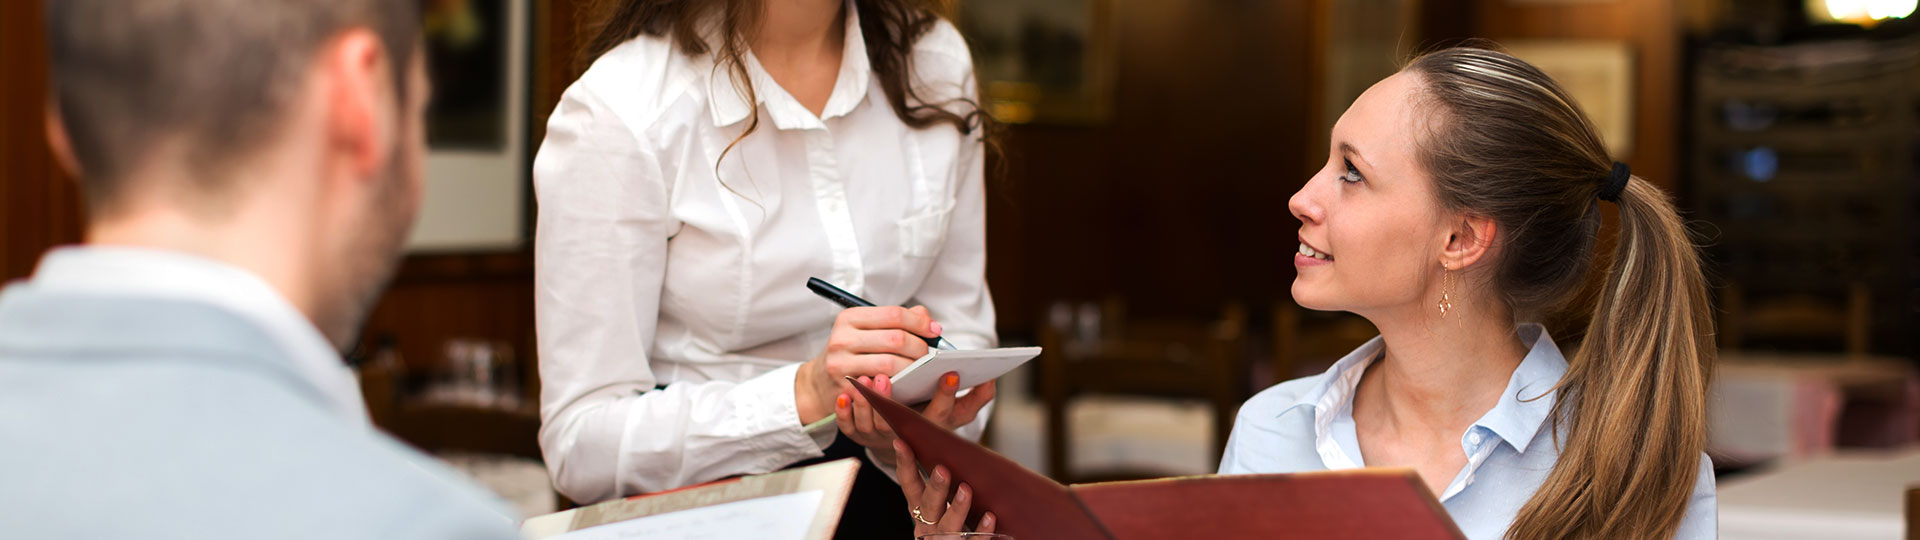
{"x":706,"y":165}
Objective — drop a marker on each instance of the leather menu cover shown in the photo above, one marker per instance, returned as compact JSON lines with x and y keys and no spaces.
{"x":1024,"y":503}
{"x":1364,"y":503}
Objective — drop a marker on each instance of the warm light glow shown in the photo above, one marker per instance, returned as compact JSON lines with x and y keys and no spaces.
{"x":1868,"y":11}
{"x":1890,"y":9}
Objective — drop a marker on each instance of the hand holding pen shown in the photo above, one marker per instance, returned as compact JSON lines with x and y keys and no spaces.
{"x":866,"y":341}
{"x":848,"y":300}
{"x":869,"y":343}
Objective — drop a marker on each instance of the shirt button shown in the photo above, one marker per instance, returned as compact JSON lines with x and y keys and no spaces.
{"x":1473,"y":438}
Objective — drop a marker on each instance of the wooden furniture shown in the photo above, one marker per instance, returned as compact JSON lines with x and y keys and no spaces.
{"x":1197,"y":360}
{"x":1844,"y":322}
{"x":1800,"y":169}
{"x":466,"y":434}
{"x":1913,"y":512}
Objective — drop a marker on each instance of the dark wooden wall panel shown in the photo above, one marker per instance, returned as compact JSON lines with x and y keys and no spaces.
{"x":1178,"y":205}
{"x":436,"y":298}
{"x":39,"y":204}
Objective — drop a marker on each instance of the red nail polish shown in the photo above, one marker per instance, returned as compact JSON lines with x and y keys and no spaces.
{"x":842,"y":401}
{"x":952,"y":380}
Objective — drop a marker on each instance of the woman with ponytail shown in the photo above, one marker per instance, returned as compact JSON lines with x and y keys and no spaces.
{"x":1462,"y":197}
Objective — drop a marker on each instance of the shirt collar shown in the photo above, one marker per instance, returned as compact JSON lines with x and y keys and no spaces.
{"x":1523,"y":407}
{"x":727,"y":106}
{"x":148,"y":272}
{"x":1528,"y":399}
{"x":1341,"y":379}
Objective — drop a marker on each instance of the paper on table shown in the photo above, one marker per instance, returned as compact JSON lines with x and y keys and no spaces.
{"x":777,"y":517}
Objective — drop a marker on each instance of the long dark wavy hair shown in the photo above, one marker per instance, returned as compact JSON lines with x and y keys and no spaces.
{"x":890,"y":28}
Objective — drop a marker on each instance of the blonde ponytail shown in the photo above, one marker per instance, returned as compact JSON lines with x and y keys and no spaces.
{"x":1634,"y":396}
{"x":1507,"y":142}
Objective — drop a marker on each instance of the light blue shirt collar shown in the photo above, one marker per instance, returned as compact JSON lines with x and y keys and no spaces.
{"x":158,"y":273}
{"x":1523,"y":407}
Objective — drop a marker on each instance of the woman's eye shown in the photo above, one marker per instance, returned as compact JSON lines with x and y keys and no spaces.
{"x":1352,"y":175}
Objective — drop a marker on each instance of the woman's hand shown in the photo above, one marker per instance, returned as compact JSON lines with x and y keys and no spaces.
{"x":860,"y":423}
{"x":866,"y":342}
{"x":932,"y":513}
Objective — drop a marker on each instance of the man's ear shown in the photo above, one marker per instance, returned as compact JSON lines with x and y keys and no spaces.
{"x":1469,"y":240}
{"x":355,"y":80}
{"x":58,"y":141}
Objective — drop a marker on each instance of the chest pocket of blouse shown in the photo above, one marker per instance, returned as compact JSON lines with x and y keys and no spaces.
{"x":922,"y":234}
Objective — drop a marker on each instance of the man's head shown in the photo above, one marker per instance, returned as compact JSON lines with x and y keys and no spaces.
{"x":283,"y":136}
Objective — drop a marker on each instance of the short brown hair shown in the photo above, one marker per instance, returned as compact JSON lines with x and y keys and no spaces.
{"x":214,"y":76}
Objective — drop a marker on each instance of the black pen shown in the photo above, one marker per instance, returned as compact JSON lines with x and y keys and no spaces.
{"x":848,"y":300}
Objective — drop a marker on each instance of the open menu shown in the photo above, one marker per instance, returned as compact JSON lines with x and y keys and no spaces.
{"x":794,"y":504}
{"x":1365,"y":503}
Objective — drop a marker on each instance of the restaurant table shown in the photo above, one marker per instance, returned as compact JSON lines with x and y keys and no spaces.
{"x":1766,"y":406}
{"x":1855,"y":494}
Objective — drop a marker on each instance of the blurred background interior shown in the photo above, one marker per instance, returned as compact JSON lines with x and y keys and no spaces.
{"x":1139,"y":229}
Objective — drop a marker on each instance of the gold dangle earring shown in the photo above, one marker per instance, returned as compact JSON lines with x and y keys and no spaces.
{"x":1446,"y":290}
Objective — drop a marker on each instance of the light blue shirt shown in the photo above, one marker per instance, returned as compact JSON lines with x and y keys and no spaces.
{"x":1307,"y":424}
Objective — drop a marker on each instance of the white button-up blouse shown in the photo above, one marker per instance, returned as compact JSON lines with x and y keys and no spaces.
{"x":670,"y":293}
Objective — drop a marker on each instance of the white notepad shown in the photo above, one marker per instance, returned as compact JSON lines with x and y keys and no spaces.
{"x":916,"y":383}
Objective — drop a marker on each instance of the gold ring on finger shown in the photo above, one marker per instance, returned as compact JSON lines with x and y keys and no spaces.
{"x":922,"y":519}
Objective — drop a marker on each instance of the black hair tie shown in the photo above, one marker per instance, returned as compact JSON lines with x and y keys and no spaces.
{"x":1616,"y":182}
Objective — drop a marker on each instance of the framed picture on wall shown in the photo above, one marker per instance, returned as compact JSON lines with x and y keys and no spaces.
{"x":1042,"y":61}
{"x":476,"y":167}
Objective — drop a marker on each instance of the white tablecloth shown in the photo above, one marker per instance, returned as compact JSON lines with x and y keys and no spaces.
{"x":1788,"y":406}
{"x":1853,"y":495}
